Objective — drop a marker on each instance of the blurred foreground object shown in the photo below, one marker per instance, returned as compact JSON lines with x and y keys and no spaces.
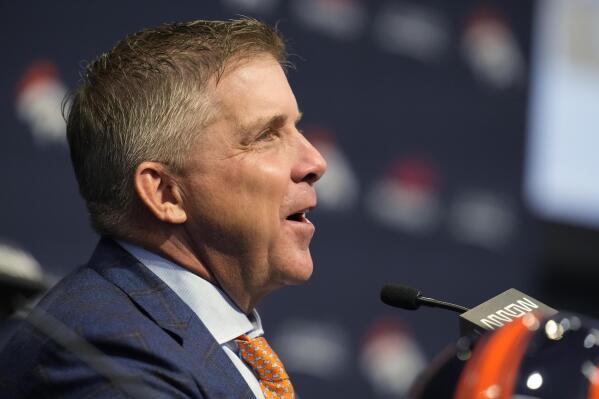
{"x":528,"y":358}
{"x":21,"y":277}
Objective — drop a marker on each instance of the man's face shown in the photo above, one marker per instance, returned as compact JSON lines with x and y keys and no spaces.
{"x":249,"y":181}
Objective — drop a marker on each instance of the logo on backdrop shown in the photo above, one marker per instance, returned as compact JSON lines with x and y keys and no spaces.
{"x":319,"y":349}
{"x":258,"y":6}
{"x":340,"y":19}
{"x":412,"y":31}
{"x":482,"y":218}
{"x":407,"y":196}
{"x":390,"y":358}
{"x":338,"y":189}
{"x":491,"y":49}
{"x":40,"y":93}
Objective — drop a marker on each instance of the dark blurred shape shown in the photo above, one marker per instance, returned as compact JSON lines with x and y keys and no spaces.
{"x":567,"y":266}
{"x":20,"y":278}
{"x":530,"y":358}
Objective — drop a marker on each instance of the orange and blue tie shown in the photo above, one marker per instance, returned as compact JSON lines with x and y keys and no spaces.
{"x":267,"y":366}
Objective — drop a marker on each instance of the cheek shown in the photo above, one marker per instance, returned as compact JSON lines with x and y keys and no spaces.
{"x":262,"y":188}
{"x":245,"y":200}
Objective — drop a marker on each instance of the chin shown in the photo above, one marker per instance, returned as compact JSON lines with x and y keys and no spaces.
{"x":298,"y":272}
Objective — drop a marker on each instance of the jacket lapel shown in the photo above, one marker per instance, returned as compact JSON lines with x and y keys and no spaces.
{"x":214,"y":371}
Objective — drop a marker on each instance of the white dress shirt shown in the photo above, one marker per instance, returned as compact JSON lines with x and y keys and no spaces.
{"x":220,"y":315}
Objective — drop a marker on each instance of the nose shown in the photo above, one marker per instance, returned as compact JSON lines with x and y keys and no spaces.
{"x":310,"y":165}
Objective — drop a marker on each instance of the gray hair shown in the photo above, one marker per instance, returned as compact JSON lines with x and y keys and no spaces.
{"x":147,"y":100}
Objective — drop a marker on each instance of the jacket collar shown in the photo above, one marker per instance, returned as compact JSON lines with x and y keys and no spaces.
{"x":218,"y":312}
{"x":216,"y":373}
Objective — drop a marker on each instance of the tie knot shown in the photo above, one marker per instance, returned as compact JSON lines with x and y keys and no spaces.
{"x":267,"y":366}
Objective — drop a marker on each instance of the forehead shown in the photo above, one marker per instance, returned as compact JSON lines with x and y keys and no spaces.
{"x":254,"y":89}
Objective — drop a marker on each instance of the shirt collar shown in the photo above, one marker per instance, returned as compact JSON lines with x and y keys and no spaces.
{"x":220,"y":315}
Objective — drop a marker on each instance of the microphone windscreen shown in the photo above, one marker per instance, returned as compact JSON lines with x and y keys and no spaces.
{"x":400,"y":296}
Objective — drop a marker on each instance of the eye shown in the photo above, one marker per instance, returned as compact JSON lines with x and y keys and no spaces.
{"x":268,"y":135}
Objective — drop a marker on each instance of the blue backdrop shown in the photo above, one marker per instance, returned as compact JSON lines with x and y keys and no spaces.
{"x":420,"y":107}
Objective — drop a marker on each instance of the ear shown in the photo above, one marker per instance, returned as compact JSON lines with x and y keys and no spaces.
{"x":159,"y":192}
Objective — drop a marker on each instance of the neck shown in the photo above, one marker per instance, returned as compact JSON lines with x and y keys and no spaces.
{"x":218,"y":269}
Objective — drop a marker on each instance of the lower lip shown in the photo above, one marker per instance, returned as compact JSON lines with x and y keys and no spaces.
{"x":304,"y":225}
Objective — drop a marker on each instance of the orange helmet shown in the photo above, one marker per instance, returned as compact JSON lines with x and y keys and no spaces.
{"x":529,"y":358}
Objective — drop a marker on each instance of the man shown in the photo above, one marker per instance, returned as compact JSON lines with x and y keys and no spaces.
{"x":185,"y":147}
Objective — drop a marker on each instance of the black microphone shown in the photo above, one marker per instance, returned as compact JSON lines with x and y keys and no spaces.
{"x":401,"y":296}
{"x":494,"y":313}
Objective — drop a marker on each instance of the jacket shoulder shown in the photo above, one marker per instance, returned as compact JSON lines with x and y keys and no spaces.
{"x":87,"y":337}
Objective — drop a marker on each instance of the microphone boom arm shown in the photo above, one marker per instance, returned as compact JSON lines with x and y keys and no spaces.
{"x":435,"y":303}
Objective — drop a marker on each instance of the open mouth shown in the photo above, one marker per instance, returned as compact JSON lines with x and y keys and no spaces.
{"x":298,"y":216}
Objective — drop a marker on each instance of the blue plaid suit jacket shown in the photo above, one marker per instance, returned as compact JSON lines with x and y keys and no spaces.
{"x":113,"y":329}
